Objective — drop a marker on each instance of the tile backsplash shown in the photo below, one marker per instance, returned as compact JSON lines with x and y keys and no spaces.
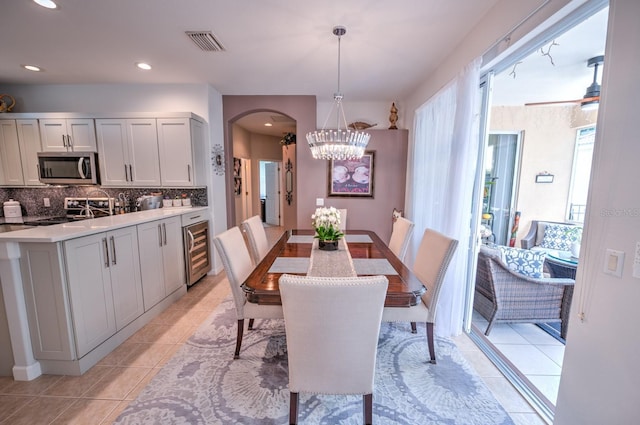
{"x":32,"y":199}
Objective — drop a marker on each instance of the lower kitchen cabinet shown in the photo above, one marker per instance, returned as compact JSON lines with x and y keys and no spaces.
{"x":105,"y":287}
{"x":161,"y":259}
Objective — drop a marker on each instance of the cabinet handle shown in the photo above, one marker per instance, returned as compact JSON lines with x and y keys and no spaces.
{"x":106,"y":253}
{"x":64,"y":141}
{"x":189,"y":171}
{"x":113,"y":250}
{"x":164,"y":233}
{"x":193,"y":241}
{"x":160,"y":235}
{"x":38,"y":168}
{"x":69,"y":141}
{"x":130,"y":173}
{"x":126,"y":177}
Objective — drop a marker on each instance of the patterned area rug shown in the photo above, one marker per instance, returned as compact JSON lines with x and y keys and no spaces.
{"x":202,"y":384}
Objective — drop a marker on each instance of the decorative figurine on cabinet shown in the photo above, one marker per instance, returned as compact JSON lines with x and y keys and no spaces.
{"x":393,"y":117}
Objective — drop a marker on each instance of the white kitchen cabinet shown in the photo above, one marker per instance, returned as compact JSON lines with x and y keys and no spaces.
{"x":68,"y":135}
{"x":128,"y":151}
{"x":182,"y":156}
{"x":10,"y":165}
{"x":161,"y":259}
{"x":30,"y":145}
{"x":104,"y":285}
{"x":19,"y":147}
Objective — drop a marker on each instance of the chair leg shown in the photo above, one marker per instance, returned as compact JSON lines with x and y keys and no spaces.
{"x":250,"y":324}
{"x":413,"y":328}
{"x":239,"y":338}
{"x":432,"y":348}
{"x":293,"y":409}
{"x":367,"y":409}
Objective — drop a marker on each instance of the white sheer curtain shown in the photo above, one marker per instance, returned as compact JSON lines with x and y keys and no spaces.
{"x":441,"y":175}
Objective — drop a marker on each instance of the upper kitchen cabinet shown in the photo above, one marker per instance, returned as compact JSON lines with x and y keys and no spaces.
{"x":68,"y":135}
{"x":10,"y":165}
{"x":128,"y":150}
{"x":30,"y":145}
{"x":182,"y":152}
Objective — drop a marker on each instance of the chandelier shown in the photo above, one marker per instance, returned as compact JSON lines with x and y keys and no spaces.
{"x":337,"y":144}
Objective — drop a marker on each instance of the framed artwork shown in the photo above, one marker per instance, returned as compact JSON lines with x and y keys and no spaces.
{"x":352,"y":178}
{"x":237,"y":186}
{"x":236,"y":167}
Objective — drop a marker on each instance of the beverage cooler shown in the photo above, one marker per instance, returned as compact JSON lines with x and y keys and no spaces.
{"x":196,"y":246}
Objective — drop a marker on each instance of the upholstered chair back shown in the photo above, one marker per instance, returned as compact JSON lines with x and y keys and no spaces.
{"x":332,"y":327}
{"x":431,"y":263}
{"x":343,"y":219}
{"x":237,"y":263}
{"x":257,"y":238}
{"x":400,"y":236}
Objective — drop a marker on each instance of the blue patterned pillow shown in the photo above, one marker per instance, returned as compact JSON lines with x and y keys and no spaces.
{"x":560,"y":236}
{"x":524,"y":261}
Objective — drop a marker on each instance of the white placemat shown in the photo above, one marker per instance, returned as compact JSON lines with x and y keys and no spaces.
{"x":290,"y":265}
{"x":373,"y":266}
{"x":300,"y":239}
{"x":358,"y":238}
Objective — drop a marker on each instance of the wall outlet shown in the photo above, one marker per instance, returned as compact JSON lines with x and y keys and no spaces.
{"x":47,"y":203}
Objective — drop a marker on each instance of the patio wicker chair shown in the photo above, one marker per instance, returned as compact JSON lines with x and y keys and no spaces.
{"x":505,"y":296}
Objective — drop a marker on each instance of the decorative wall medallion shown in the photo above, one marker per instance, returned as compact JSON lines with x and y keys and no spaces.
{"x":217,"y":159}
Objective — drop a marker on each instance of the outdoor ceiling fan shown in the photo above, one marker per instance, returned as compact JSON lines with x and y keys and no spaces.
{"x":591,"y":99}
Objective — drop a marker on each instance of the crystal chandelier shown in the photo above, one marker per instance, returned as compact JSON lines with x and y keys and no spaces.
{"x":337,"y":144}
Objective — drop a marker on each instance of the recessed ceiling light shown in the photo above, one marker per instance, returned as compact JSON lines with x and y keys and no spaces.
{"x":143,"y":65}
{"x":32,"y":68}
{"x":268,"y":124}
{"x":49,"y":4}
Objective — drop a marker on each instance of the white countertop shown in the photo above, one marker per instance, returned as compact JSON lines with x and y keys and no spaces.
{"x":65,"y":231}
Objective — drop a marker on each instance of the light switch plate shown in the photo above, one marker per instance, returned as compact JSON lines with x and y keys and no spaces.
{"x":319,"y":202}
{"x":614,"y":262}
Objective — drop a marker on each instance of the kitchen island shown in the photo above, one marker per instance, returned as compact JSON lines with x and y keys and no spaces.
{"x":75,"y":291}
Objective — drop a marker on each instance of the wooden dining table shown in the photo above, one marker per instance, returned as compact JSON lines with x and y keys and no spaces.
{"x":370,"y":256}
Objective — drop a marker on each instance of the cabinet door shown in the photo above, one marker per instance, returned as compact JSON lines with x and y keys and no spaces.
{"x":173,"y":254}
{"x":113,"y":160}
{"x":125,"y":275}
{"x":62,"y":135}
{"x":29,"y":137}
{"x":10,"y":165}
{"x":91,"y":297}
{"x":176,"y":162}
{"x":150,"y":243}
{"x":82,"y":135}
{"x":53,"y":133}
{"x":143,"y":152}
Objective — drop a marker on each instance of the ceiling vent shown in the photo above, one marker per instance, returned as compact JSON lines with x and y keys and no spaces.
{"x":205,"y":41}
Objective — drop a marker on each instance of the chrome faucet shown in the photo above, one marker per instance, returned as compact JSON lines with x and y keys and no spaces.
{"x":87,"y":208}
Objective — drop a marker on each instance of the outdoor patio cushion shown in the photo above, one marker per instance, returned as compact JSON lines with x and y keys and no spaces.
{"x":524,"y":261}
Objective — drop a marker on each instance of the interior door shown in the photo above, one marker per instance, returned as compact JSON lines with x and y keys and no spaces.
{"x":272,"y":186}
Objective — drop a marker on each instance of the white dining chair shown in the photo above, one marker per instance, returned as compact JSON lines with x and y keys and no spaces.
{"x":432,"y":260}
{"x":343,"y":219}
{"x":238,"y":266}
{"x":400,"y":236}
{"x":325,"y":356}
{"x":257,"y":237}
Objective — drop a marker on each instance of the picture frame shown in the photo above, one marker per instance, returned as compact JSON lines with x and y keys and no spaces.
{"x":352,"y":178}
{"x":237,"y":186}
{"x":237,"y":167}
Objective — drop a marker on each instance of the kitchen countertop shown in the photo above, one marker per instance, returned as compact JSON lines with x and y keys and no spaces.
{"x":65,"y":231}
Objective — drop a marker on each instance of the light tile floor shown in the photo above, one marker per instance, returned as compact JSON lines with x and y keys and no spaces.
{"x":102,"y":393}
{"x":535,"y":353}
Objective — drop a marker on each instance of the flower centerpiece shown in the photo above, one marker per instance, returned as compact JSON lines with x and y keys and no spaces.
{"x":326,"y":222}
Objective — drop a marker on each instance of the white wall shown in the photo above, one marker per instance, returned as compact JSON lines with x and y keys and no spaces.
{"x":601,"y":372}
{"x":369,"y":112}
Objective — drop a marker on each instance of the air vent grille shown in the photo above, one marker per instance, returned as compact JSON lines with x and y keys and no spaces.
{"x":205,"y":41}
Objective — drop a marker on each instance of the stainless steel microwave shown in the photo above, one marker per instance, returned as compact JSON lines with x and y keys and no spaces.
{"x":68,"y":168}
